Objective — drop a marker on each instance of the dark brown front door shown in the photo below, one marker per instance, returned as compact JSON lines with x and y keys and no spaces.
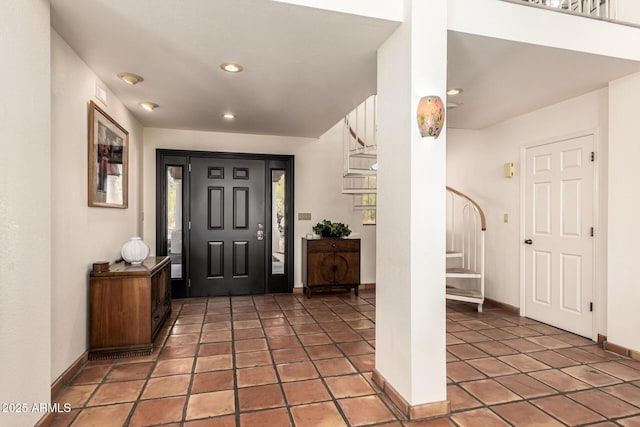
{"x":227,"y":246}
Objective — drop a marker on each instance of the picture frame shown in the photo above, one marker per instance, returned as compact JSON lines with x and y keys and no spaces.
{"x":108,"y":160}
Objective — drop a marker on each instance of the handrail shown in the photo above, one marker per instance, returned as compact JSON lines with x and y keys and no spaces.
{"x":483,"y":222}
{"x":353,"y":133}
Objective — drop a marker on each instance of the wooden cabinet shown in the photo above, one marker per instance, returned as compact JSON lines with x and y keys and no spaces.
{"x":328,"y":263}
{"x":127,"y":305}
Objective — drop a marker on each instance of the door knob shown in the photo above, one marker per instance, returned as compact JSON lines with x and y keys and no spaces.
{"x":260,"y":233}
{"x":529,"y":242}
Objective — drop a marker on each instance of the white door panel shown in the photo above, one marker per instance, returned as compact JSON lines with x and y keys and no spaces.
{"x":559,"y":195}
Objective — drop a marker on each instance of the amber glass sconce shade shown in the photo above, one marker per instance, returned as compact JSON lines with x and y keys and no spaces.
{"x":430,"y":115}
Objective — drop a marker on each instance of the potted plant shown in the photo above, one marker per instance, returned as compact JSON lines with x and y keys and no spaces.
{"x":336,"y":230}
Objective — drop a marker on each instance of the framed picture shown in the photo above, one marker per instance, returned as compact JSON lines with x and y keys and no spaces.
{"x":108,"y":160}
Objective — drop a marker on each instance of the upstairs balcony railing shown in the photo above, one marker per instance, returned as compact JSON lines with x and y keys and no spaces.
{"x":592,"y":8}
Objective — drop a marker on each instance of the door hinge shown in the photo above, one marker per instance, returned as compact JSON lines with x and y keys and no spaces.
{"x":189,"y":282}
{"x":593,"y":231}
{"x":590,"y":306}
{"x":189,"y":225}
{"x":593,"y":156}
{"x":190,"y":163}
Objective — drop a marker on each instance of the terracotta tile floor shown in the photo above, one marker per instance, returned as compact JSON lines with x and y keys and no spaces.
{"x":284,"y":360}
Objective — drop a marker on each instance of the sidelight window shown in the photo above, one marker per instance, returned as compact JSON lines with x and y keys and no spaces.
{"x":278,"y":225}
{"x":174,"y":220}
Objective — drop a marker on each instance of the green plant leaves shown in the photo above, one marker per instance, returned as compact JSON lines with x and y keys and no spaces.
{"x":327,"y":228}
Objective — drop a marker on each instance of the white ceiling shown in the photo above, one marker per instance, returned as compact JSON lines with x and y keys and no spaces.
{"x":503,"y":79}
{"x":304,"y":68}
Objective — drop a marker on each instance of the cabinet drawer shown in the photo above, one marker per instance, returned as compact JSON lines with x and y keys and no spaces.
{"x":326,"y":245}
{"x":329,"y":268}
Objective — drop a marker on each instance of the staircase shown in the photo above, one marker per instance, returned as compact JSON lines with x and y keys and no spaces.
{"x":466,"y":227}
{"x":360,"y":155}
{"x":465,"y":220}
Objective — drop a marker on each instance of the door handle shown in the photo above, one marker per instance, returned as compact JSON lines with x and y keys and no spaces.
{"x":529,"y":242}
{"x":260,"y":233}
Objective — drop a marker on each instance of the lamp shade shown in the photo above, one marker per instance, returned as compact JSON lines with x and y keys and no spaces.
{"x":430,"y":116}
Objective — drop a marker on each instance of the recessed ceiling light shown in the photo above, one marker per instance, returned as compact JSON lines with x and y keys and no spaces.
{"x":228,"y":116}
{"x":149,"y":106}
{"x":231,"y":67}
{"x":130,"y":78}
{"x":454,"y":91}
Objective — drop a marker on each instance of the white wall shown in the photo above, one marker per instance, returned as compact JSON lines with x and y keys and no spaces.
{"x":81,"y":235}
{"x":624,"y":232}
{"x":626,"y":10}
{"x":25,"y":221}
{"x":382,"y":9}
{"x":487,"y":18}
{"x":318,"y":181}
{"x":474,"y":166}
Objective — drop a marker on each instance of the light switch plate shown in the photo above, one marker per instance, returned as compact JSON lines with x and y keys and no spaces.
{"x":509,"y":170}
{"x":101,"y":93}
{"x":304,"y":216}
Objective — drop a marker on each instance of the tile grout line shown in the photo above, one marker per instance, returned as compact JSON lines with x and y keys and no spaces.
{"x":531,"y":400}
{"x":360,"y":373}
{"x":582,"y":355}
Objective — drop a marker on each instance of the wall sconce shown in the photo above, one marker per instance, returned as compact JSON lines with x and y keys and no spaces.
{"x":430,"y":116}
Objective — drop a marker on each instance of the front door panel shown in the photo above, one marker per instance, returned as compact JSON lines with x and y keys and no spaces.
{"x":227,"y":247}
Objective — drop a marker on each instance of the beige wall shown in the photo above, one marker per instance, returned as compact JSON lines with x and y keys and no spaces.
{"x":81,"y":235}
{"x":25,"y":220}
{"x":318,"y":180}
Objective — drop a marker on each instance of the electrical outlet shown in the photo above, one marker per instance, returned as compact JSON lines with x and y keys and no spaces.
{"x":506,"y":218}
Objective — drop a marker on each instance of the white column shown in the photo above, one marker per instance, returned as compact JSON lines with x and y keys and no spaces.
{"x":622,"y":289}
{"x":410,"y":261}
{"x":25,"y":207}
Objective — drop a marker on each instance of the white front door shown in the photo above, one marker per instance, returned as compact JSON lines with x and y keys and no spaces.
{"x":559,"y":247}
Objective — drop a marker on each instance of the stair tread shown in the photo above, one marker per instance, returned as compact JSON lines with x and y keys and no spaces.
{"x":358,"y":191}
{"x":355,"y":172}
{"x":464,"y":271}
{"x":472,"y":293}
{"x":362,"y":153}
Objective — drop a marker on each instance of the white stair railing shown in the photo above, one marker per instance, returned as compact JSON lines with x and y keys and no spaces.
{"x":360,"y":154}
{"x":594,"y":8}
{"x":466,"y":227}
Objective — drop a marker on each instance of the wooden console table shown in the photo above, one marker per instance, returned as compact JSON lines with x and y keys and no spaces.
{"x":127,"y":305}
{"x":330,"y":263}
